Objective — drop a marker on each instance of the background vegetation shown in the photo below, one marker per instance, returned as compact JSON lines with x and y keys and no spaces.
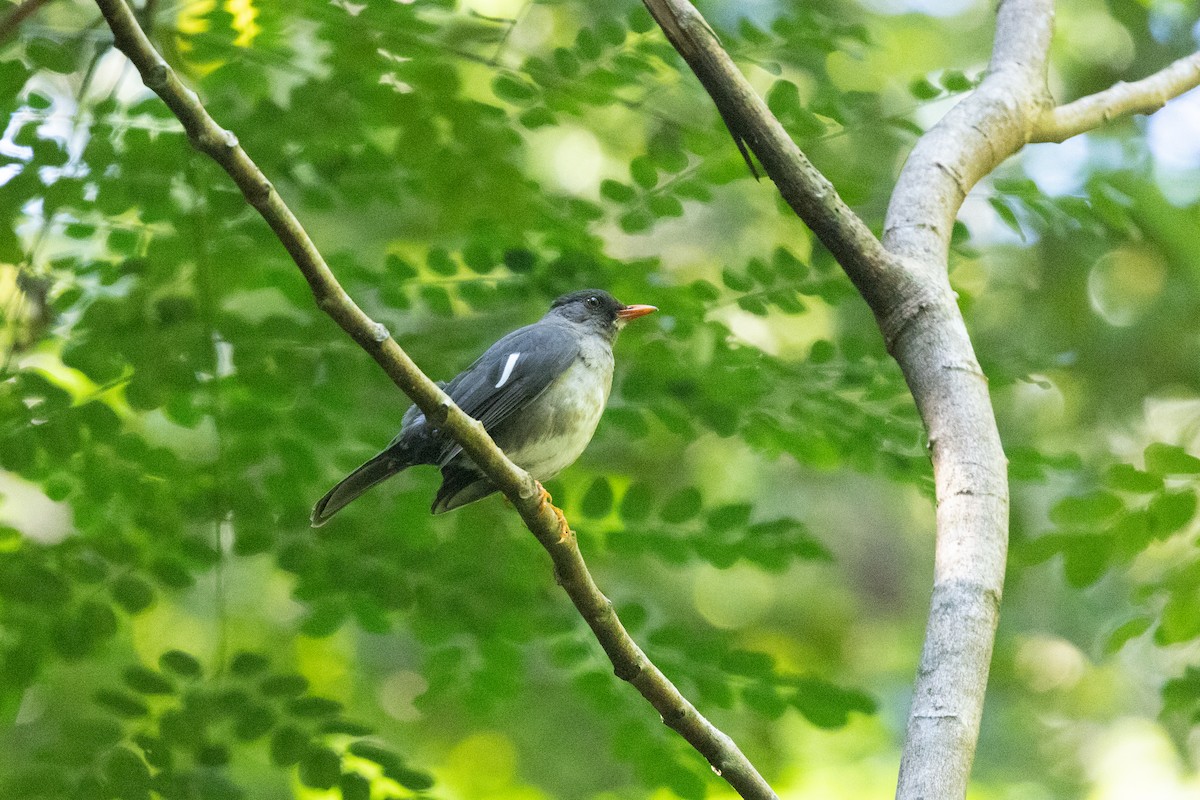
{"x":757,"y":501}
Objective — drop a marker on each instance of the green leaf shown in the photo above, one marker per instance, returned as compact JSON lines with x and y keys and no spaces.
{"x":284,"y":685}
{"x":636,"y":220}
{"x":513,"y":89}
{"x":729,"y":517}
{"x":565,"y":62}
{"x":387,"y":759}
{"x":122,"y":704}
{"x":587,"y":44}
{"x":289,"y":744}
{"x":1170,"y":511}
{"x":598,"y":499}
{"x":955,"y":81}
{"x":765,"y":700}
{"x":53,"y":56}
{"x":643,"y":172}
{"x":747,"y":663}
{"x":440,"y":262}
{"x":146,"y":681}
{"x":313,"y":707}
{"x":182,"y":664}
{"x":1085,"y":510}
{"x":537,"y":117}
{"x":923,"y":89}
{"x":665,"y":205}
{"x":1007,"y":215}
{"x":670,"y":158}
{"x":320,"y":768}
{"x":412,"y":779}
{"x":1130,"y":629}
{"x":616,"y":191}
{"x":754,"y":304}
{"x":640,"y":20}
{"x":354,"y":787}
{"x":1127,"y":478}
{"x":254,"y":720}
{"x":1169,"y":459}
{"x":132,"y":593}
{"x":126,"y":772}
{"x":325,"y":618}
{"x":829,"y":706}
{"x":736,"y":280}
{"x":13,"y":75}
{"x":213,"y":755}
{"x":611,"y":31}
{"x":783,"y":98}
{"x":172,"y":573}
{"x":438,"y":300}
{"x":1086,"y":558}
{"x":760,"y":271}
{"x":1179,"y":621}
{"x":682,"y":506}
{"x":520,"y":260}
{"x":398,"y":269}
{"x":246,"y":664}
{"x":637,"y":503}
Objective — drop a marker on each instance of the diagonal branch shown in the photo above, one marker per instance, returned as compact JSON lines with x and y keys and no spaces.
{"x":806,"y":190}
{"x":629,"y":662}
{"x":16,"y":15}
{"x":1140,"y":97}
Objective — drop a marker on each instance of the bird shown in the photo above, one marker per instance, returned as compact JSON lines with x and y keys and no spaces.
{"x":539,"y":392}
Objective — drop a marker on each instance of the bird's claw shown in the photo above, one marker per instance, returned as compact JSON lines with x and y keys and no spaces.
{"x":544,"y":499}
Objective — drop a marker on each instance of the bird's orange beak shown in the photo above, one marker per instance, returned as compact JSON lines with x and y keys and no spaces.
{"x":633,"y":312}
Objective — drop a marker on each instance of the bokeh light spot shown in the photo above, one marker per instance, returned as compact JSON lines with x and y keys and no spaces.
{"x":1124,"y":283}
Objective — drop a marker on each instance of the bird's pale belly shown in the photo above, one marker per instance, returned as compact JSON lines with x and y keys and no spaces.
{"x":564,"y":419}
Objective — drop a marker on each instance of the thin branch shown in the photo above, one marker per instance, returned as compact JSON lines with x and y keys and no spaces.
{"x":1140,"y":97}
{"x":18,"y":14}
{"x":752,"y":124}
{"x":543,"y":520}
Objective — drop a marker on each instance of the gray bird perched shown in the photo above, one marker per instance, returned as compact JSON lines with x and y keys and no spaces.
{"x":539,"y":393}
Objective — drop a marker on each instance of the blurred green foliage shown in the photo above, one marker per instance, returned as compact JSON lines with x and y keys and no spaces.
{"x":757,"y":501}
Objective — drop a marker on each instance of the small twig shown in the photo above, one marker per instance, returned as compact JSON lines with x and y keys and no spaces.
{"x":1140,"y":97}
{"x":542,"y":519}
{"x":13,"y":19}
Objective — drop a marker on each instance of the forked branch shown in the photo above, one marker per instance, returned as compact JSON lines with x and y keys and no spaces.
{"x":905,"y":283}
{"x":1139,"y":97}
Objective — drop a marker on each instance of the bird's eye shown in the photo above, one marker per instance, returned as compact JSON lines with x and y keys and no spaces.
{"x":593,"y":302}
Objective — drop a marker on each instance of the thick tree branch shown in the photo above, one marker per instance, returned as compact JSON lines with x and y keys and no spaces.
{"x":988,"y":126}
{"x":1140,"y":97}
{"x":629,"y":662}
{"x":951,"y":393}
{"x":906,"y":286}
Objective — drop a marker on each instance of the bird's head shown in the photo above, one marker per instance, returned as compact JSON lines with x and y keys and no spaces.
{"x":597,"y":309}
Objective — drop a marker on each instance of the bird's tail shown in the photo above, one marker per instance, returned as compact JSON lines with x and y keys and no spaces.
{"x":379,"y":468}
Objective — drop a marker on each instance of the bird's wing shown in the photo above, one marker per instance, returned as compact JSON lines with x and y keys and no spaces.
{"x":511,"y":374}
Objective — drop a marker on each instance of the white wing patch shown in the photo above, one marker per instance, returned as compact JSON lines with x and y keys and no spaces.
{"x":508,"y":368}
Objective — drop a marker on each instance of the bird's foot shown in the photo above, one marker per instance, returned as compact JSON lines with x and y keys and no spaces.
{"x":546,"y":500}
